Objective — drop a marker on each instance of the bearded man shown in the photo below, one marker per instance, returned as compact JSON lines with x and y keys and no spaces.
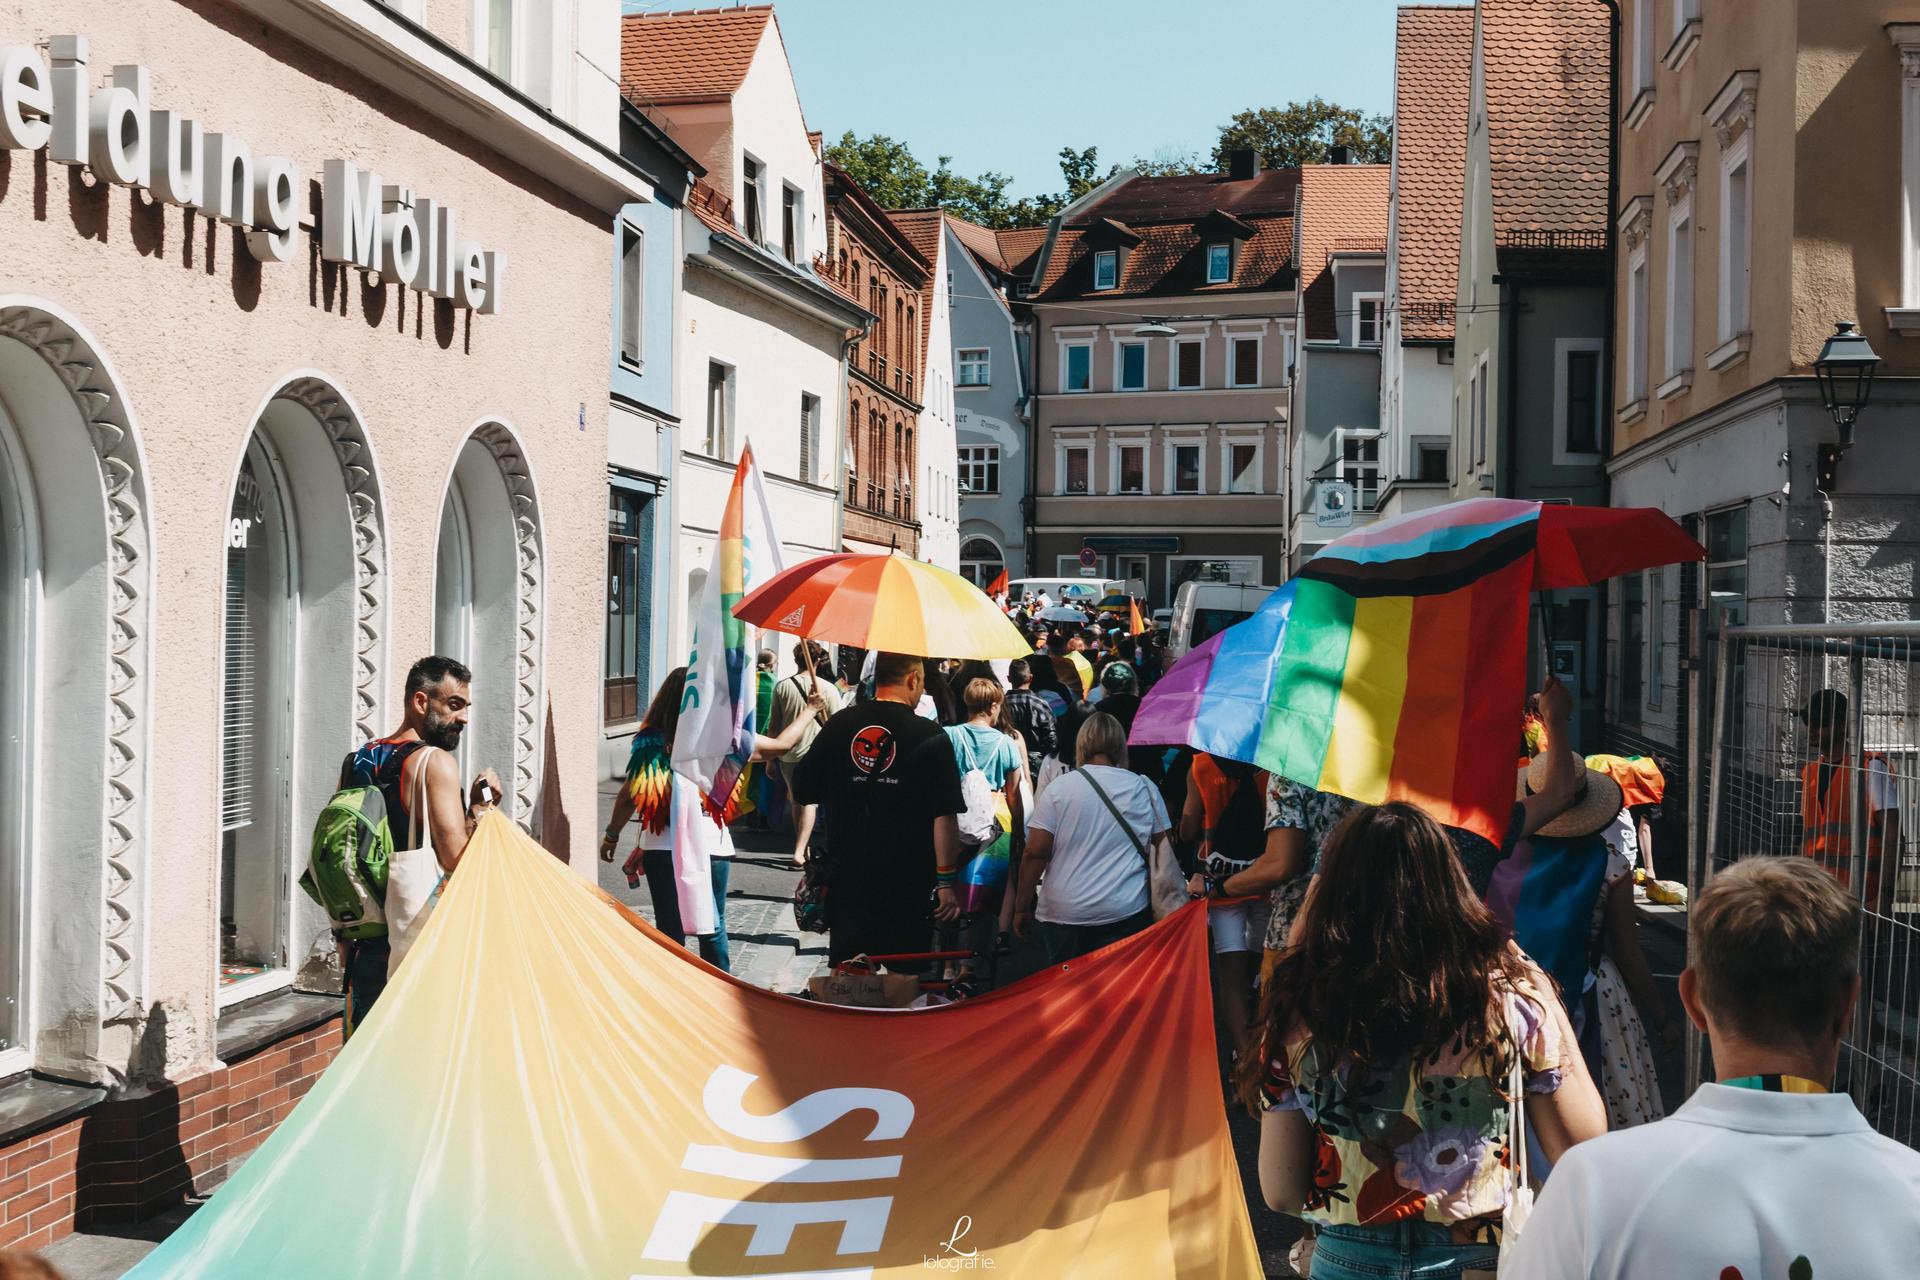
{"x":419,"y":779}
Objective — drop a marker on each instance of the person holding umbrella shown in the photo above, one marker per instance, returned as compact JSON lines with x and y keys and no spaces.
{"x":888,"y":778}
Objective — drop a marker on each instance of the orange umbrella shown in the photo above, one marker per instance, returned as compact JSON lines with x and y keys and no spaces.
{"x":888,"y":602}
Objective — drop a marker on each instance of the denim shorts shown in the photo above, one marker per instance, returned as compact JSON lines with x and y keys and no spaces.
{"x":1398,"y":1251}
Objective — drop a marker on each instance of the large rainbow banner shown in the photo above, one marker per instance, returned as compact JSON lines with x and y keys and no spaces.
{"x":551,"y":1089}
{"x":1393,"y":665}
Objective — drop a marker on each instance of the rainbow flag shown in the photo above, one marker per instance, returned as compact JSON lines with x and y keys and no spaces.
{"x":550,"y":1088}
{"x":1393,"y":667}
{"x":718,"y":711}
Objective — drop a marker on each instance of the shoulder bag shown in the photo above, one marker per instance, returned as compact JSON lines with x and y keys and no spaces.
{"x":1166,"y":886}
{"x":1520,"y":1193}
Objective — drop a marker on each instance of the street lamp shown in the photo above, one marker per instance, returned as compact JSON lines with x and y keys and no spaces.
{"x":1155,"y":329}
{"x":1845,"y":372}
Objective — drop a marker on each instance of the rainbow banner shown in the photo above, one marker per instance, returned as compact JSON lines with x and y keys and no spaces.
{"x":551,"y":1088}
{"x":718,"y":717}
{"x":1394,"y":665}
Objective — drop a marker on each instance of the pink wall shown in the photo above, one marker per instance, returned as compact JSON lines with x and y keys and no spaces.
{"x":198,"y":337}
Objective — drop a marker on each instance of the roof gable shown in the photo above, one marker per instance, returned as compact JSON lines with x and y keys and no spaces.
{"x":692,"y":55}
{"x":1342,"y":208}
{"x":1544,"y":67}
{"x":1432,"y":81}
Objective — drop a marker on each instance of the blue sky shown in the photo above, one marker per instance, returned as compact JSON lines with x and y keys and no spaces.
{"x":1004,"y":84}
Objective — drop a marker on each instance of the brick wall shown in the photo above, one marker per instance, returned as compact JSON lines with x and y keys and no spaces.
{"x":129,"y":1158}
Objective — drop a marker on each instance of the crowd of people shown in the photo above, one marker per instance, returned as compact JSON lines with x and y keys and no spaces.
{"x":1421,"y":1044}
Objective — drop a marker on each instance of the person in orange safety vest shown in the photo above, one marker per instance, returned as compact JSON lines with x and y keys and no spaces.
{"x":1827,"y":786}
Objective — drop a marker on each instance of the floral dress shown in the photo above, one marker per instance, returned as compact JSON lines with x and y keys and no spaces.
{"x":1625,"y":1072}
{"x":1420,"y":1140}
{"x":1294,"y":804}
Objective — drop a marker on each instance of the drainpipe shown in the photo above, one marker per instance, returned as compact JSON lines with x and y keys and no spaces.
{"x":1607,"y":356}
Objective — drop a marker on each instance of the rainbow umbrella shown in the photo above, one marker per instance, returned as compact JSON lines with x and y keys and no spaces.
{"x":1393,"y":666}
{"x":888,"y":602}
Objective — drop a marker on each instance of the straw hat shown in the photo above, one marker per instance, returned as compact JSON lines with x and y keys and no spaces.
{"x":1597,"y":803}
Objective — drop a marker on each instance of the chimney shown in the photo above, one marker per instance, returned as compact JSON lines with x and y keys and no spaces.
{"x":1243,"y":163}
{"x":1339,"y":154}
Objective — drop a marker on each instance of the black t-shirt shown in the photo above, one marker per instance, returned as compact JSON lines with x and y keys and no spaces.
{"x":883,"y":775}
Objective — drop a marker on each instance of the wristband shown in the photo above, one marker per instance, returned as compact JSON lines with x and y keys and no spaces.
{"x":946,"y":879}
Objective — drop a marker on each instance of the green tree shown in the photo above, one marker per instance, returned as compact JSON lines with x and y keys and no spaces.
{"x":1302,"y":132}
{"x":884,"y":168}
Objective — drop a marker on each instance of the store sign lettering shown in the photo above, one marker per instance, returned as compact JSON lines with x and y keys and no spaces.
{"x":115,"y":131}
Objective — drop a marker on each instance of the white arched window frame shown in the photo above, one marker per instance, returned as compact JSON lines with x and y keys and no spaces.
{"x":76,"y":601}
{"x":328,"y":698}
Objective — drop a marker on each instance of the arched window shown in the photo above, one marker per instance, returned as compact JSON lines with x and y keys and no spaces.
{"x":480,"y":597}
{"x":981,"y":561}
{"x":75,"y":589}
{"x":305,"y":577}
{"x":908,"y":470}
{"x":853,"y":451}
{"x":913,"y":340}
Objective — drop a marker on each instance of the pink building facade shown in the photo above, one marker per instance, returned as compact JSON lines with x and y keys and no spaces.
{"x":304,"y":319}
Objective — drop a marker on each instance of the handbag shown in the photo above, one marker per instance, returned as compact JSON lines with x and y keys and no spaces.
{"x":810,"y":895}
{"x":1520,"y":1194}
{"x":1166,"y":886}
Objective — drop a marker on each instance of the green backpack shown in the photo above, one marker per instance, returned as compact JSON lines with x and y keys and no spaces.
{"x":348,"y":860}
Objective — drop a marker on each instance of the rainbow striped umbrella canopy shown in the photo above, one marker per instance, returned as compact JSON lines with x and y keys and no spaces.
{"x":1393,"y":666}
{"x":888,"y":602}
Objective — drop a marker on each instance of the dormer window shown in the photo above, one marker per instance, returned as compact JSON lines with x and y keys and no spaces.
{"x":751,"y":174}
{"x":1219,"y":263}
{"x":1106,"y":269}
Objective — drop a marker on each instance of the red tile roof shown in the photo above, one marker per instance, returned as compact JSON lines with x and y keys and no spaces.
{"x":1342,"y":207}
{"x":1020,"y":246}
{"x":1545,"y":68}
{"x":693,"y":55}
{"x":980,"y":241}
{"x":1170,"y":256}
{"x":1432,"y":77}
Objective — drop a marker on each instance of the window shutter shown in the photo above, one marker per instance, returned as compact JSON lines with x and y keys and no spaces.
{"x":239,"y":716}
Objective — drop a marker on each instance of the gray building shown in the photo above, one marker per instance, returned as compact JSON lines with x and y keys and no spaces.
{"x":1334,"y":447}
{"x":991,"y":378}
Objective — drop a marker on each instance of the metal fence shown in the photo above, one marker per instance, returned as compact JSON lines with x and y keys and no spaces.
{"x":1815,"y":751}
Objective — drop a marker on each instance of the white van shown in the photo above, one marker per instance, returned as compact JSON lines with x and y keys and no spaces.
{"x":1202,"y":610}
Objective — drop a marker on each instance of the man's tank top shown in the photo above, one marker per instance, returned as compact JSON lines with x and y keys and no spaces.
{"x":380,"y":763}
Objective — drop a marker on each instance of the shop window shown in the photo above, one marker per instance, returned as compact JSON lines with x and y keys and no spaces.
{"x":629,"y":605}
{"x":256,"y":741}
{"x":16,"y":777}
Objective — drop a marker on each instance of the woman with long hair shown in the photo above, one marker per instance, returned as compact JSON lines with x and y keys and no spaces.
{"x":670,"y":809}
{"x":1390,"y":1031}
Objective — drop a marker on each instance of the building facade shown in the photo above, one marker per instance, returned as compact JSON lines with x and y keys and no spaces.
{"x":1530,"y":306}
{"x":1161,"y":456}
{"x":1433,"y":62}
{"x":765,"y":337}
{"x":1739,"y":125}
{"x":992,"y":404}
{"x":643,"y":432}
{"x":1336,"y":464}
{"x":265,"y":439}
{"x":876,"y":265}
{"x":937,"y":460}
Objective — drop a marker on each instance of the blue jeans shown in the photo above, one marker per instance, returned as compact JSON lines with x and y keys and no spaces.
{"x":1397,"y":1251}
{"x":663,"y":890}
{"x":366,"y":978}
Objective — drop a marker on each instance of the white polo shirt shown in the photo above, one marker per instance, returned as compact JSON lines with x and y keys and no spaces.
{"x":1737,"y":1181}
